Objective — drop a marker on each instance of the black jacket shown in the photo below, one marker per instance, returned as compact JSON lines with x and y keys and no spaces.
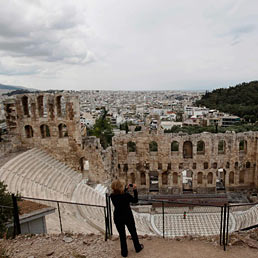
{"x":122,"y":202}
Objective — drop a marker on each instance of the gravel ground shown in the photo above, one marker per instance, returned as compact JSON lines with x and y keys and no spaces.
{"x":93,"y":246}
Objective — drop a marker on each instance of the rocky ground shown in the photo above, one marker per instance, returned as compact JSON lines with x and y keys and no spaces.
{"x":93,"y":246}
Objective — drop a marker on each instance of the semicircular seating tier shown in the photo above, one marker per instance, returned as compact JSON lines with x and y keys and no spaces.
{"x":36,"y":174}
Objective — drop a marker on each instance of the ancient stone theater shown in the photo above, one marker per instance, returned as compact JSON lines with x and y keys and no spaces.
{"x":157,"y":162}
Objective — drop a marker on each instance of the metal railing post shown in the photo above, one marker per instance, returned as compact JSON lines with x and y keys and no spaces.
{"x":163,"y":219}
{"x":110,"y":215}
{"x":105,"y":217}
{"x":16,"y":220}
{"x":227,"y":226}
{"x":60,"y":220}
{"x":221,"y":225}
{"x":224,"y":226}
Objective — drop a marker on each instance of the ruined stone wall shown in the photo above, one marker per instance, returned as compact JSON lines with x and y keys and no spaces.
{"x":234,"y":164}
{"x":52,"y":122}
{"x":168,"y":163}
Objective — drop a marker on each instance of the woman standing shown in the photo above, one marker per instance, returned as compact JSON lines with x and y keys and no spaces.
{"x":123,"y":215}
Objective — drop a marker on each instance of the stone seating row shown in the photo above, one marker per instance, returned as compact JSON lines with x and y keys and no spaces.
{"x":247,"y":218}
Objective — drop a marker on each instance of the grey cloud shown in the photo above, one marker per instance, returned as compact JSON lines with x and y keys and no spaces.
{"x":43,"y":34}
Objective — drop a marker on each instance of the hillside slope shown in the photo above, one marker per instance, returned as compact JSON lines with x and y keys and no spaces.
{"x":240,"y":100}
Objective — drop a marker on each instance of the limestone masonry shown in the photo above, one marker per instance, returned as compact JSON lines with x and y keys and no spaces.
{"x":154,"y":160}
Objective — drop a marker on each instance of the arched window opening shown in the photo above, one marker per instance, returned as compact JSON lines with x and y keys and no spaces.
{"x":175,"y":178}
{"x":143,"y":178}
{"x":242,"y":177}
{"x":42,"y":106}
{"x":221,"y":147}
{"x":81,"y":163}
{"x":236,"y":164}
{"x":228,"y":165}
{"x":25,"y":105}
{"x":44,"y":130}
{"x":125,"y":169}
{"x":60,"y":106}
{"x":165,"y":178}
{"x":63,"y":132}
{"x":28,"y":131}
{"x":131,"y":147}
{"x":187,"y":150}
{"x":132,"y":176}
{"x":153,"y":146}
{"x":231,"y":178}
{"x":210,"y":178}
{"x":169,"y":166}
{"x":174,"y":146}
{"x":205,"y":165}
{"x":199,"y":178}
{"x":160,"y":166}
{"x":243,"y":146}
{"x":215,"y":165}
{"x":200,"y":148}
{"x":248,"y":164}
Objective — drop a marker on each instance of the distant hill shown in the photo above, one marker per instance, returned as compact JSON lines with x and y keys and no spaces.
{"x":10,"y":87}
{"x":240,"y":100}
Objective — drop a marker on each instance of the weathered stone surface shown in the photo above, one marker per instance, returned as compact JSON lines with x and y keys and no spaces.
{"x":177,"y":162}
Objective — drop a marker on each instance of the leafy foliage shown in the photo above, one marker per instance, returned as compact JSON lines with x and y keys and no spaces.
{"x":212,"y":129}
{"x":241,"y":100}
{"x":102,"y":129}
{"x":6,"y":214}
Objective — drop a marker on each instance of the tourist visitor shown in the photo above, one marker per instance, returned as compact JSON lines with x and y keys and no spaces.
{"x":123,"y":215}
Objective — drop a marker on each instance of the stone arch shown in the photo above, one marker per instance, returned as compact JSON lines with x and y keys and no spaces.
{"x":125,"y":168}
{"x":143,"y":178}
{"x":131,"y":146}
{"x":132,"y":178}
{"x":221,"y":177}
{"x":243,"y":146}
{"x":25,"y":105}
{"x":153,"y":146}
{"x":221,"y":147}
{"x":41,"y":106}
{"x":81,"y":163}
{"x":205,"y":165}
{"x":231,"y":178}
{"x":187,"y":150}
{"x":44,"y":130}
{"x":60,"y":106}
{"x":200,"y":148}
{"x":236,"y":165}
{"x":175,"y":178}
{"x":242,"y":177}
{"x":247,"y":164}
{"x":199,"y":178}
{"x":174,"y":146}
{"x":62,"y":129}
{"x":28,"y":131}
{"x":210,"y":178}
{"x":187,"y":177}
{"x":214,"y":165}
{"x":165,"y":178}
{"x":154,"y":181}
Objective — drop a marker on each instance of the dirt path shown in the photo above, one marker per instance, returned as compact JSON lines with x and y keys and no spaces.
{"x":93,"y":246}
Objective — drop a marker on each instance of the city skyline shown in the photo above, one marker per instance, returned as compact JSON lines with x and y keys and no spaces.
{"x":114,"y":45}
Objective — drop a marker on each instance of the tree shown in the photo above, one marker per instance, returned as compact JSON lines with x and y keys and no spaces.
{"x":102,"y":129}
{"x":6,"y":214}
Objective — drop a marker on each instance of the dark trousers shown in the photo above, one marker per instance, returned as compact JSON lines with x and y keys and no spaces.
{"x":120,"y":225}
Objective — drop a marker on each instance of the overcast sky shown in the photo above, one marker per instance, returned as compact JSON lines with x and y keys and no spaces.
{"x":128,"y":44}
